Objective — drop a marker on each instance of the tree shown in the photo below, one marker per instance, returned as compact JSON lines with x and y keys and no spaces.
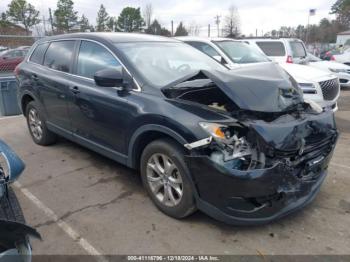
{"x":130,"y":20}
{"x":110,"y":24}
{"x":165,"y":32}
{"x":232,"y":22}
{"x":147,"y":14}
{"x":23,"y":13}
{"x":84,"y":24}
{"x":181,"y":30}
{"x":341,"y":9}
{"x":65,"y":18}
{"x":102,"y":19}
{"x":154,"y":28}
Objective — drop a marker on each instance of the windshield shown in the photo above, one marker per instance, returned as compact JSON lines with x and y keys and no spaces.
{"x":161,"y":63}
{"x":241,"y":53}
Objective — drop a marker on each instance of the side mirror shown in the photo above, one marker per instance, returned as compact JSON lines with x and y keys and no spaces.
{"x":110,"y":77}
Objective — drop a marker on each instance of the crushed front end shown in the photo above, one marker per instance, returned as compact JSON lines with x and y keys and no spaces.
{"x":258,"y":169}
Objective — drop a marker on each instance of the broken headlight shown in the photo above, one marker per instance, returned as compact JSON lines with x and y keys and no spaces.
{"x":231,"y":148}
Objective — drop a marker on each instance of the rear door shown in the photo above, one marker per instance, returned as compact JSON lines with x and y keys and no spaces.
{"x":274,"y":50}
{"x":298,"y":51}
{"x":54,"y":82}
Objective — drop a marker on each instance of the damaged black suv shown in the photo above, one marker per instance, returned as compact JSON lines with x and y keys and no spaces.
{"x":242,"y":146}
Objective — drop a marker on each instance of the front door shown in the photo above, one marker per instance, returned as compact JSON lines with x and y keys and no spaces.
{"x":99,"y":115}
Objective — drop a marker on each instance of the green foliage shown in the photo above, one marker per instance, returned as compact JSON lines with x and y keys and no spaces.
{"x":110,"y":24}
{"x":84,"y":24}
{"x":155,"y":28}
{"x":102,"y":19}
{"x":181,"y":30}
{"x":130,"y":20}
{"x":65,"y":18}
{"x":341,"y":9}
{"x":21,"y":12}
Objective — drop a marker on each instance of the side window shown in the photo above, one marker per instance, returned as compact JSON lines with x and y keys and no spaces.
{"x":205,"y":48}
{"x":275,"y":48}
{"x":38,"y":54}
{"x":92,"y":58}
{"x":59,"y":55}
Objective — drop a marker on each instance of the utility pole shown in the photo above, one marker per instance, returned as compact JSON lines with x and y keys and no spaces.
{"x":172,"y":28}
{"x":44,"y":24}
{"x":256,"y":32}
{"x":51,"y":22}
{"x":208,"y":30}
{"x":217,"y":22}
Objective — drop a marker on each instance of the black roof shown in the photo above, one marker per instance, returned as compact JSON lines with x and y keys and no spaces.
{"x":114,"y":37}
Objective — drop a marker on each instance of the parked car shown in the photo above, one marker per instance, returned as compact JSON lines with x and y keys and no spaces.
{"x":340,"y":70}
{"x":14,"y":233}
{"x":10,"y":59}
{"x":318,"y":86}
{"x":282,"y":50}
{"x":240,"y":145}
{"x":3,"y":49}
{"x":343,"y":57}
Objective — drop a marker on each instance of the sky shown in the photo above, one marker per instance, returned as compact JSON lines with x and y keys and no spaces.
{"x":255,"y":15}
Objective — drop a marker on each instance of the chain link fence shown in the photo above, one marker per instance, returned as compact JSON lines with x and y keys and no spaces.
{"x":13,"y":49}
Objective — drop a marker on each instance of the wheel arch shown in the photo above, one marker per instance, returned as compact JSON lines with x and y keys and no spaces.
{"x":145,"y":135}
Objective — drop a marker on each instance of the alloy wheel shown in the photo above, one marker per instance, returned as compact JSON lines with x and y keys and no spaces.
{"x":35,"y":124}
{"x":164,"y":179}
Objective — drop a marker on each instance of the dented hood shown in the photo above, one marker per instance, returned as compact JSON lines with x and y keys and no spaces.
{"x":262,"y":88}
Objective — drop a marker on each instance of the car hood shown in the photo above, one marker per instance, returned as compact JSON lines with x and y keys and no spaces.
{"x":261,"y":88}
{"x":331,"y":65}
{"x":304,"y":73}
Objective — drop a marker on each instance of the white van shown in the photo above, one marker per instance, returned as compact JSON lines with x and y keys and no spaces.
{"x":288,"y":50}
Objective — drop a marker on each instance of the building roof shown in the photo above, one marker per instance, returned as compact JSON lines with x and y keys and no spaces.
{"x":344,"y":33}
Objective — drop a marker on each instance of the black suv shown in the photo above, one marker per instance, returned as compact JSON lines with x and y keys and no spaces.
{"x":240,"y":145}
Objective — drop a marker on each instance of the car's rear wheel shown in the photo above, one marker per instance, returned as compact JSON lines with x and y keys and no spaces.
{"x":166,"y":178}
{"x":37,"y":127}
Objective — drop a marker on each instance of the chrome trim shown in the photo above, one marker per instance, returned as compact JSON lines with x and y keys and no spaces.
{"x":86,"y":78}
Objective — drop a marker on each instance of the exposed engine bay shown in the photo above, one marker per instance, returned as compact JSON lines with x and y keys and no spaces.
{"x":237,"y":145}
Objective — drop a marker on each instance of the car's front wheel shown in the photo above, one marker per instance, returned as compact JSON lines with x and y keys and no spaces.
{"x":37,"y":127}
{"x":166,"y":178}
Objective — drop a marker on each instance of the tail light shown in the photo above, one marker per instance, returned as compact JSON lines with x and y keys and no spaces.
{"x":332,"y":58}
{"x":289,"y":59}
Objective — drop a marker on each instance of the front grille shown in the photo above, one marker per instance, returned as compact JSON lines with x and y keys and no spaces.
{"x":330,"y":89}
{"x":314,"y":146}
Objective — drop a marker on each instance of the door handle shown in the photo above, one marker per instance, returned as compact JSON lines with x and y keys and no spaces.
{"x":75,"y":90}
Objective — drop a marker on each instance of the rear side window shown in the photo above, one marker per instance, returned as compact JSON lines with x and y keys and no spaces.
{"x":38,"y":54}
{"x":272,"y":48}
{"x":298,"y":49}
{"x":94,"y":57}
{"x":59,"y":55}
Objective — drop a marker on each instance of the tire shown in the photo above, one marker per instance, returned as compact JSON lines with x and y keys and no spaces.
{"x":177,"y":206}
{"x":10,"y":208}
{"x":46,"y":137}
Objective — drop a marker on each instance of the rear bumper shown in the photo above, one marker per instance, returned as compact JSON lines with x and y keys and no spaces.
{"x":257,"y":196}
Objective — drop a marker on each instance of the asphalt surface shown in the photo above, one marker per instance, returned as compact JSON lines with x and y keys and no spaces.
{"x":83,"y":203}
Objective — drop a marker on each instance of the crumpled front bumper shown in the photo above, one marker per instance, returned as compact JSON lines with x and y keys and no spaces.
{"x":255,"y":196}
